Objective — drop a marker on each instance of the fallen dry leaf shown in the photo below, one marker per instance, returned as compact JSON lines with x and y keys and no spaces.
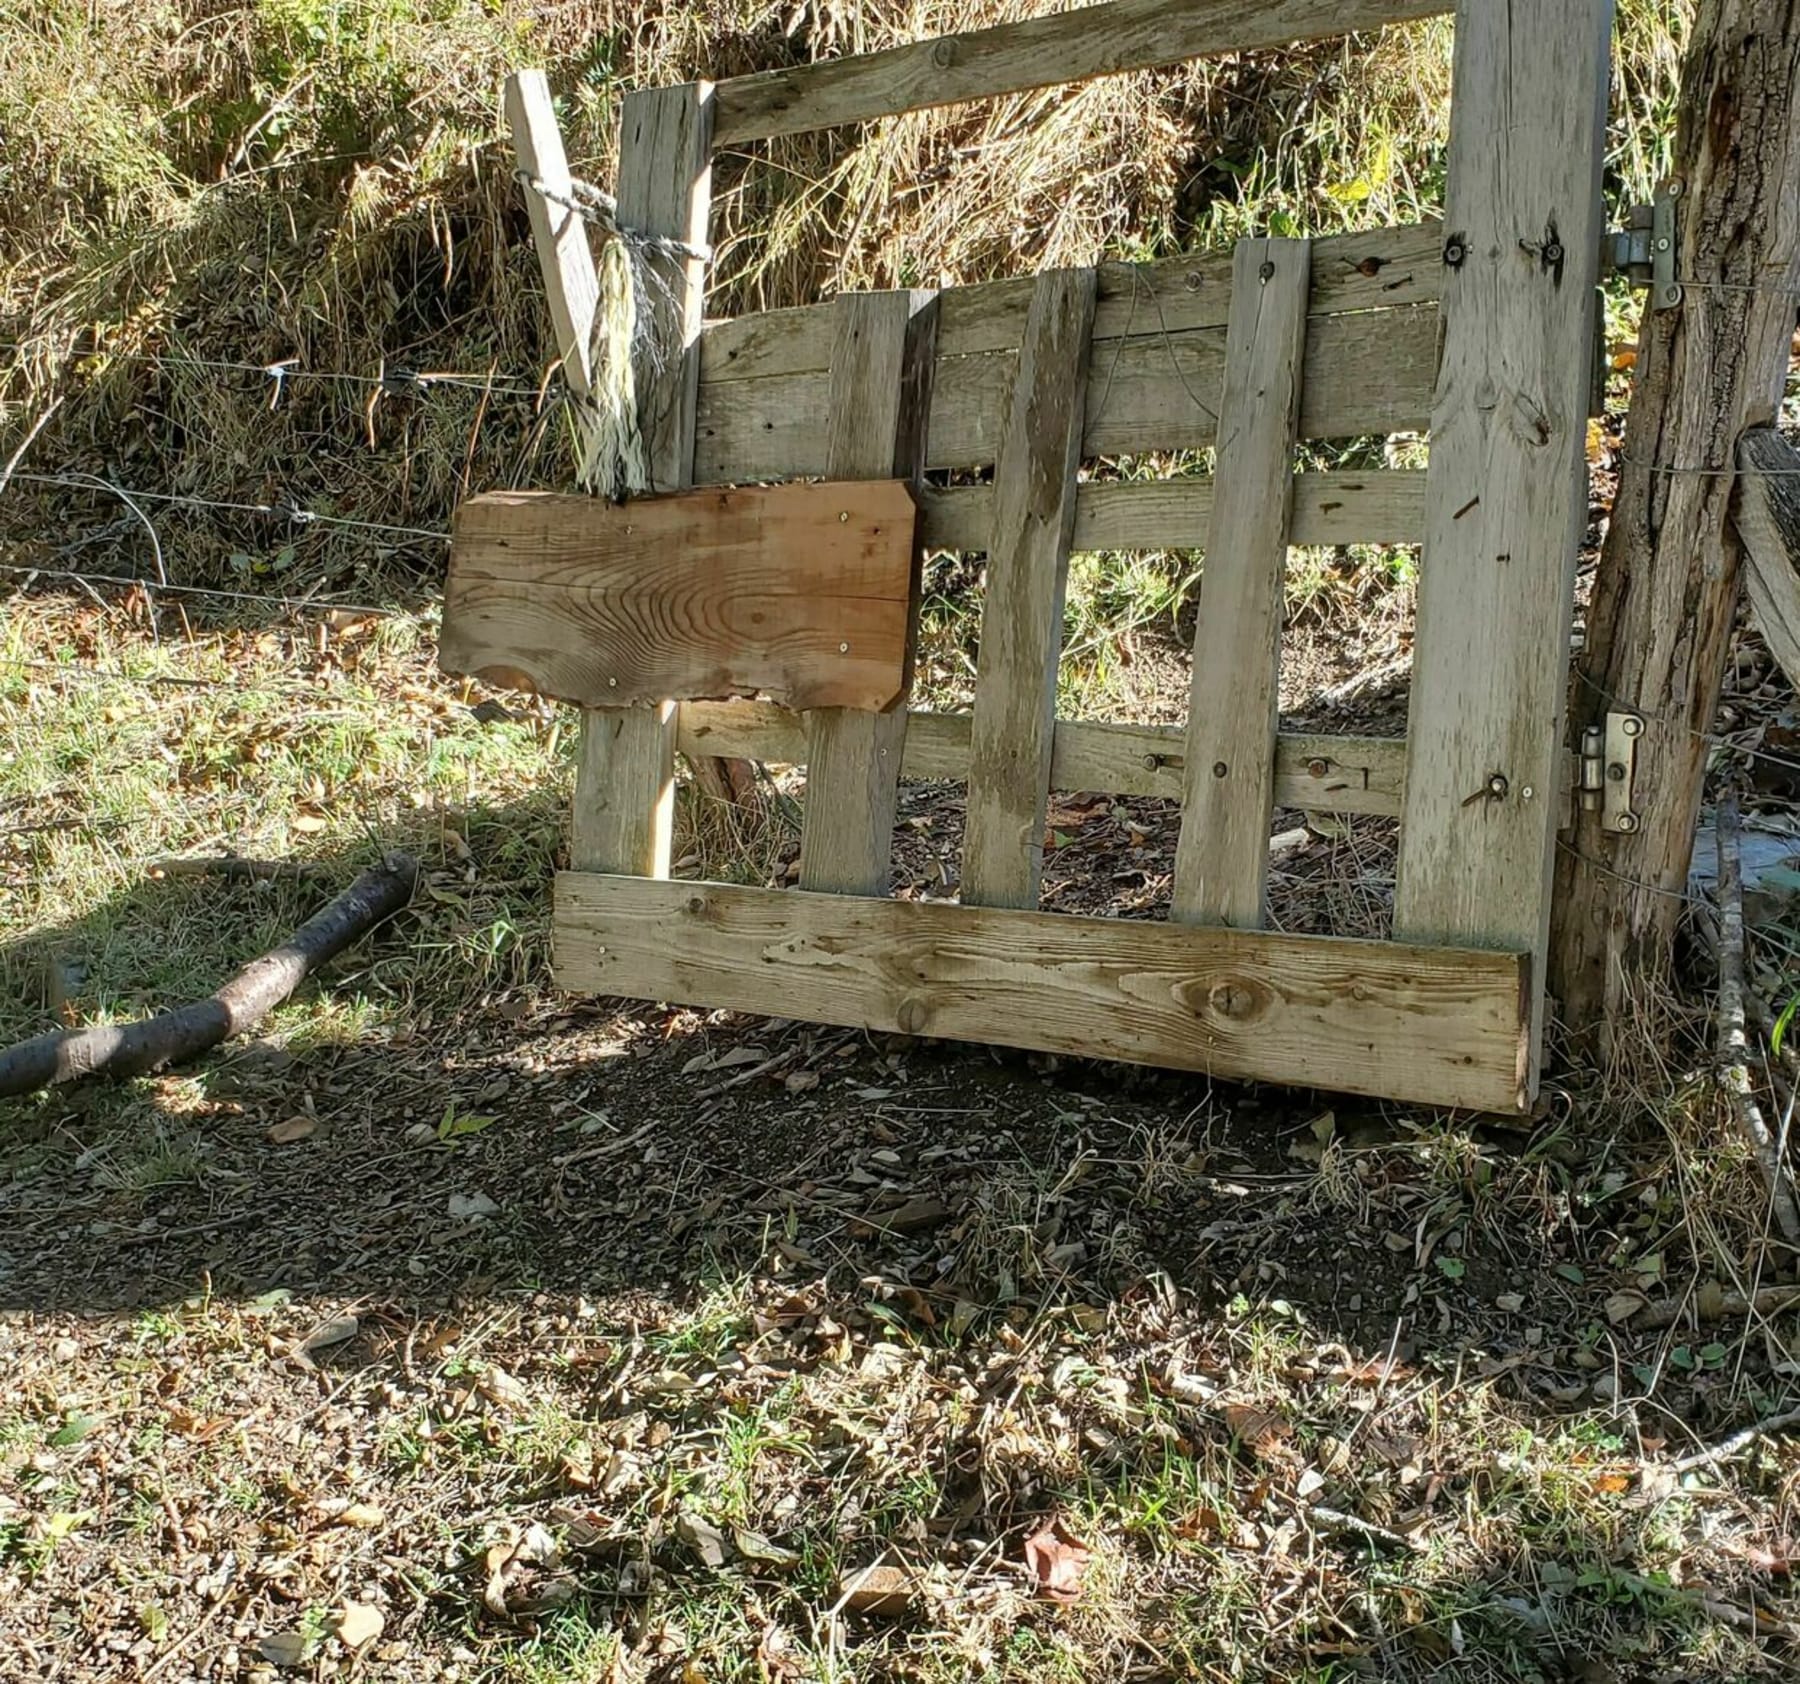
{"x":365,"y":1517}
{"x":1057,"y":1560}
{"x":295,"y":1128}
{"x":358,"y":1623}
{"x":881,"y":1588}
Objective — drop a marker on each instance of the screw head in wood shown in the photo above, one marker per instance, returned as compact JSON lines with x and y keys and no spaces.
{"x":1526,"y":792}
{"x":843,"y":516}
{"x":1194,"y":280}
{"x":1317,"y":767}
{"x":843,"y":649}
{"x":1267,"y":271}
{"x":612,"y":684}
{"x":1220,"y":769}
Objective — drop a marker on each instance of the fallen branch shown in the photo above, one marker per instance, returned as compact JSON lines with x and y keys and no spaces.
{"x":236,"y":868}
{"x":1728,"y":1448}
{"x":1734,"y":1044}
{"x":1727,"y":1306}
{"x":131,"y":1049}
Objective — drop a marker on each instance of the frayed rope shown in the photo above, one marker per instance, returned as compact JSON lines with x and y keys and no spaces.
{"x":609,"y":443}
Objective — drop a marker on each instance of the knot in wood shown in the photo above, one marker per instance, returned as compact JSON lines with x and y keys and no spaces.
{"x":1235,"y":999}
{"x":913,"y":1015}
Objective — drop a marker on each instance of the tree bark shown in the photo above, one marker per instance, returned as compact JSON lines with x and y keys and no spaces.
{"x":131,"y":1049}
{"x":1667,"y":587}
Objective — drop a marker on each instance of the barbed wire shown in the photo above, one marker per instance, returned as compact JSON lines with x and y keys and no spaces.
{"x":274,"y":599}
{"x":595,"y":205}
{"x":289,"y":512}
{"x":390,"y":380}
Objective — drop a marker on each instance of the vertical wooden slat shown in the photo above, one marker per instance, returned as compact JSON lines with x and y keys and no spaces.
{"x":1022,"y":619}
{"x":1506,"y":491}
{"x":880,"y":394}
{"x":625,"y":776}
{"x":1228,"y":796}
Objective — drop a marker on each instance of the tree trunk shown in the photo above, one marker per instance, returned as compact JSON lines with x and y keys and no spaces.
{"x":1667,"y":587}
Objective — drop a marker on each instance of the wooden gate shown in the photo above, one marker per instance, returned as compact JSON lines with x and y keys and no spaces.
{"x":1479,"y":329}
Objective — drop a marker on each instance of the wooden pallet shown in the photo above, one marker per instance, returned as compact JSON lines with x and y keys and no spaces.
{"x":1479,"y":329}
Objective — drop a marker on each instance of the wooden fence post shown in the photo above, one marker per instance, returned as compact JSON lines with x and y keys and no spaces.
{"x":1505,"y":498}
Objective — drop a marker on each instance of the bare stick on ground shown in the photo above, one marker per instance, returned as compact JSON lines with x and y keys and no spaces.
{"x":1734,"y":1045}
{"x":131,"y":1049}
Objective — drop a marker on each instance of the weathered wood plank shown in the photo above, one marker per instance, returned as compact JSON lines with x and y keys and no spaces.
{"x":624,"y":785}
{"x":1767,"y":516}
{"x":1370,"y":373}
{"x":1505,"y":497}
{"x":1380,"y":268}
{"x":1036,"y":53}
{"x":1377,"y":507}
{"x":623,"y":812}
{"x":1315,"y":772}
{"x":802,"y":592}
{"x":1432,"y":1025}
{"x":1022,"y":617}
{"x":880,"y":391}
{"x":1228,"y":798}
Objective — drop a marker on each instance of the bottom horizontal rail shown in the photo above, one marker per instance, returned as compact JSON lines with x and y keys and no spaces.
{"x":1438,"y":1026}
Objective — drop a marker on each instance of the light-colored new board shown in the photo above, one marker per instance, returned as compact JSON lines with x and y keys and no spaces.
{"x":800,"y":592}
{"x":1039,"y":455}
{"x":1152,"y":391}
{"x":1505,"y":499}
{"x":880,"y":387}
{"x":1432,"y":1025}
{"x":1376,"y":507}
{"x":1313,"y":772}
{"x":1038,"y":52}
{"x":1228,"y":794}
{"x":1378,"y":269}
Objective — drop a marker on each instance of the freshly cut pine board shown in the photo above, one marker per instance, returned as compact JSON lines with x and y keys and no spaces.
{"x":1437,"y":1026}
{"x":802,"y":592}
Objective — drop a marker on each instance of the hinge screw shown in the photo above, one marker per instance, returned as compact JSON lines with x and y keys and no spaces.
{"x":1627,"y":823}
{"x":1631,"y":725}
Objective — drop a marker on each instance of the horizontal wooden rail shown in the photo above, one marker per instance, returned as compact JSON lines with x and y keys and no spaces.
{"x":1378,"y":507}
{"x":1154,"y":391}
{"x":1015,"y":57}
{"x":1377,"y":269}
{"x":1437,"y":1026}
{"x":1316,"y":773}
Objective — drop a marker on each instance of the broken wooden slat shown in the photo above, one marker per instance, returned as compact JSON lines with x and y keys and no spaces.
{"x":803,"y":592}
{"x":1038,"y":52}
{"x":1380,"y":507}
{"x":1767,"y":515}
{"x":1506,"y":493}
{"x":1364,"y":374}
{"x":1316,"y":772}
{"x":1022,"y":616}
{"x":880,"y":390}
{"x":1433,"y":1025}
{"x":1228,"y":797}
{"x":1377,"y":269}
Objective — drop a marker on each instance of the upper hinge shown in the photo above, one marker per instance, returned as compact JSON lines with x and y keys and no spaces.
{"x":1607,"y":770}
{"x":1644,"y":250}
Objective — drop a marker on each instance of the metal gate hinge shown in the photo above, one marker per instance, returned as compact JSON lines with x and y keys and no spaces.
{"x":1644,"y":249}
{"x":1608,"y":770}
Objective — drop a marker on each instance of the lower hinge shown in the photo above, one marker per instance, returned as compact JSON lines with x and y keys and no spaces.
{"x":1644,"y":249}
{"x":1608,"y":770}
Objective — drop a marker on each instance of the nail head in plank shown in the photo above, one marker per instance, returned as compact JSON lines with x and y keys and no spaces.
{"x":1432,"y":1025}
{"x":875,"y":415}
{"x":1038,"y":52}
{"x":1022,"y":617}
{"x":802,"y":592}
{"x":1506,"y":492}
{"x":1228,"y":799}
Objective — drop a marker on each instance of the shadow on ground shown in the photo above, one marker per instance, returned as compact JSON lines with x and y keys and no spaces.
{"x":733,"y":1310}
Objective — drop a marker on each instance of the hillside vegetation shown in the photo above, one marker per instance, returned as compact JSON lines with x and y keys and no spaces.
{"x":325,"y":184}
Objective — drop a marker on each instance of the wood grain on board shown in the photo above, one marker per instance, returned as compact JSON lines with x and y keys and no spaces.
{"x":803,"y":592}
{"x":1434,"y":1025}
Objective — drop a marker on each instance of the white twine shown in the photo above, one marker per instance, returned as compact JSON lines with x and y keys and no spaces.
{"x":609,"y":442}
